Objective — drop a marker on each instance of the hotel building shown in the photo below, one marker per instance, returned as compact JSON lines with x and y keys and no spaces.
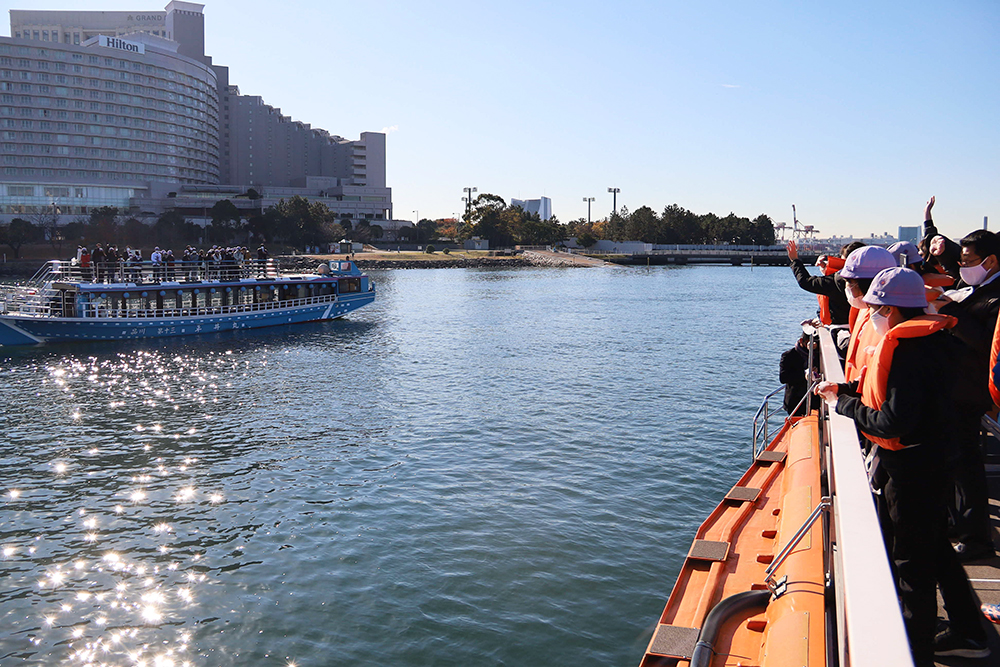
{"x":125,"y":109}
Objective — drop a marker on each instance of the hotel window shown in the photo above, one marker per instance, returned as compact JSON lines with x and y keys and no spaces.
{"x":34,"y":34}
{"x":76,"y":40}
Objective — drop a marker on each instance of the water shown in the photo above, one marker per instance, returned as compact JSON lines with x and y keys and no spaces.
{"x":490,"y":467}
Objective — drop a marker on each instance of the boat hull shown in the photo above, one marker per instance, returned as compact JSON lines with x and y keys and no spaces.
{"x":22,"y":330}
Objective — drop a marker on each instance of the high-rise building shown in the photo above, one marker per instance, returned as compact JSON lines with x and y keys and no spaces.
{"x":125,"y":109}
{"x":541,"y":206}
{"x":911,"y":234}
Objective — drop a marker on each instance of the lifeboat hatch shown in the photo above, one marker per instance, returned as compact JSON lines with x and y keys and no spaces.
{"x":770,"y":456}
{"x":709,"y":550}
{"x":674,"y":641}
{"x":743,"y":494}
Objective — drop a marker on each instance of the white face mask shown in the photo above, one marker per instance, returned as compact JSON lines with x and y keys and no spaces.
{"x":855,"y":301}
{"x":880,"y":322}
{"x":973,"y":275}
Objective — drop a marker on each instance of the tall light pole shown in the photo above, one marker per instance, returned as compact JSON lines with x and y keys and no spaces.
{"x":416,"y":213}
{"x":588,"y":200}
{"x":614,"y":199}
{"x":468,"y":199}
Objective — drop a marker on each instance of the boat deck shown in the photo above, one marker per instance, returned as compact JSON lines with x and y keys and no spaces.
{"x":985,"y":574}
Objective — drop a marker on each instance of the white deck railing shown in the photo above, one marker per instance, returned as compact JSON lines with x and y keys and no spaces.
{"x":102,"y":312}
{"x":869,"y":621}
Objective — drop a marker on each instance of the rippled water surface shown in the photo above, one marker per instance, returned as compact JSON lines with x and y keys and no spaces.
{"x":484,"y":467}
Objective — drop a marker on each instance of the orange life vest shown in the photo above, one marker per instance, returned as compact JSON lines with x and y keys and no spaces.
{"x":938,"y":280}
{"x":852,"y":318}
{"x":876,"y":373}
{"x":994,"y":353}
{"x":833,"y":264}
{"x":864,"y":338}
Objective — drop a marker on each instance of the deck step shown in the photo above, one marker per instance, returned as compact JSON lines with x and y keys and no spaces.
{"x":674,"y":641}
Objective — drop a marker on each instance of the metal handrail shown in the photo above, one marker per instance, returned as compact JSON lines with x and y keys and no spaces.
{"x":824,"y":505}
{"x":155,"y":272}
{"x":760,"y":423}
{"x":101,"y":312}
{"x":870,"y":627}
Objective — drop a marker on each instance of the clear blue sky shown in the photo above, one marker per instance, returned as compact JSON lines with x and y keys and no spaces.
{"x":856,"y":112}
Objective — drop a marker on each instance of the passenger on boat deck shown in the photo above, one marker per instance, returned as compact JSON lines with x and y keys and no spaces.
{"x":906,"y":254}
{"x":98,"y":258}
{"x":156,"y":258}
{"x":939,"y":252}
{"x":859,"y":270}
{"x":792,"y":373}
{"x":976,"y":304}
{"x":904,"y":405}
{"x":831,"y":286}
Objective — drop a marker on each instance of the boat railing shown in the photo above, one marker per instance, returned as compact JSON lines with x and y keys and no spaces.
{"x":22,"y":299}
{"x":147,"y":272}
{"x":765,"y":414}
{"x":762,"y":422}
{"x":870,"y":631}
{"x":103,"y":311}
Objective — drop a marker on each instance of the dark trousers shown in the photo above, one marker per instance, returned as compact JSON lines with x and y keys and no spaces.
{"x":923,"y":557}
{"x":969,"y":502}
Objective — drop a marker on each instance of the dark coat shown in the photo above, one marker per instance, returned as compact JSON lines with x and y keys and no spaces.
{"x":830,"y":286}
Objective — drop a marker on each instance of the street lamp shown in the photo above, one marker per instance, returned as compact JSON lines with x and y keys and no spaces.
{"x":588,"y":200}
{"x":417,"y":213}
{"x":468,"y":199}
{"x":614,"y":201}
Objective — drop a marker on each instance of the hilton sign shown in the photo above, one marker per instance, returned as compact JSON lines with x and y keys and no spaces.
{"x":121,"y":44}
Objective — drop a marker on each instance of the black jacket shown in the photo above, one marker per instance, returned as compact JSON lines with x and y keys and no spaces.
{"x":977,"y":317}
{"x":948,"y":260}
{"x":918,"y":405}
{"x":792,"y":373}
{"x":831,"y":286}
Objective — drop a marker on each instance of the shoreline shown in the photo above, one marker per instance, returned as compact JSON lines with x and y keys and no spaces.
{"x":26,"y":268}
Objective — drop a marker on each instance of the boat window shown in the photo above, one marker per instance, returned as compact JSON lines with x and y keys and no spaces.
{"x":349,"y":285}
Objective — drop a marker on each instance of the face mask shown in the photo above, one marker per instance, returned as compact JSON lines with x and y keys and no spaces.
{"x":973,"y":275}
{"x":855,"y":301}
{"x":881,"y":323}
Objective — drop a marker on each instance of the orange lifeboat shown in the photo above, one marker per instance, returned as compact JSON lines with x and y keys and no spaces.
{"x":721,"y":612}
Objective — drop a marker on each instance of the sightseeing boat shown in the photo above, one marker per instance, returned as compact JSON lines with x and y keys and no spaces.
{"x":130,"y":300}
{"x":790,"y":569}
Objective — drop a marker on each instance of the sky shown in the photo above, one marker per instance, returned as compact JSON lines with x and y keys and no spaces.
{"x":855,"y":112}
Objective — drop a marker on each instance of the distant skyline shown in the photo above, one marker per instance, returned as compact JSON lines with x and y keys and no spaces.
{"x":856,"y":113}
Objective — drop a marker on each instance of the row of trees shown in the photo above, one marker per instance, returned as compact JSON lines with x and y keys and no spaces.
{"x":677,"y":225}
{"x":300,"y":222}
{"x":490,"y":218}
{"x":296,"y":222}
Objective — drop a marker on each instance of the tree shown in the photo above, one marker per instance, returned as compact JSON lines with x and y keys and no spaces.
{"x":376,"y":232}
{"x":47,"y":220}
{"x":302,"y":222}
{"x":104,"y":224}
{"x":223,"y":212}
{"x":225,"y":221}
{"x":135,"y":232}
{"x":17,"y":233}
{"x":485,"y":220}
{"x":642,"y":225}
{"x":763,"y":230}
{"x":426,"y":230}
{"x":172,"y":229}
{"x":585,"y":240}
